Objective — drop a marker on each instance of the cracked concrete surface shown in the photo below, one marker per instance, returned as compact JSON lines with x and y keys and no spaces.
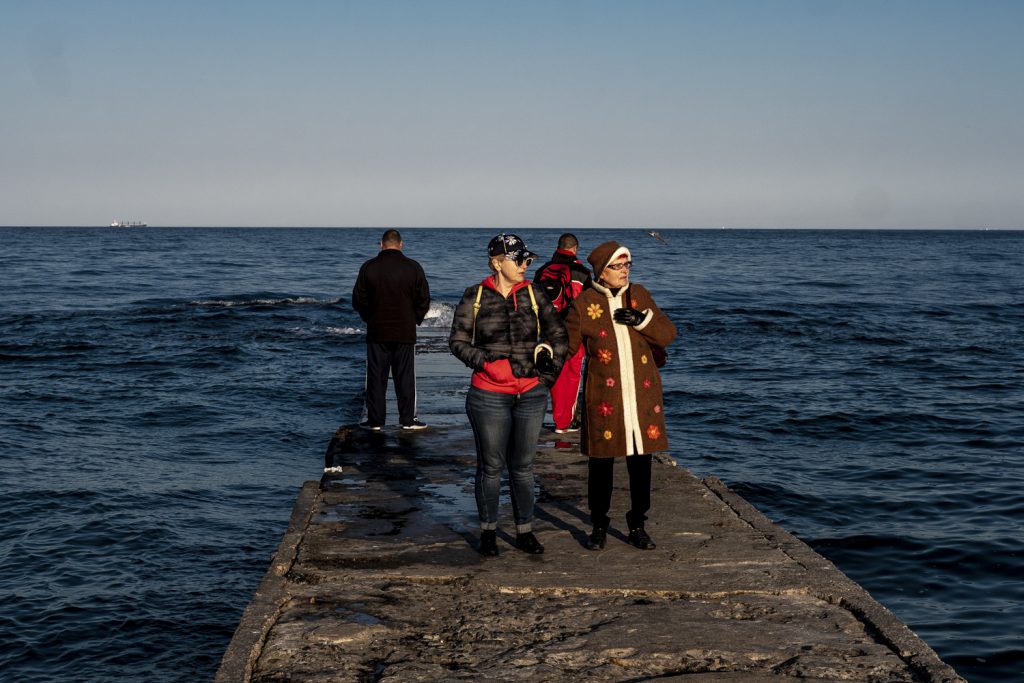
{"x":377,"y":579}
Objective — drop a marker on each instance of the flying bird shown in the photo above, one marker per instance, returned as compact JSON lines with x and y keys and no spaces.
{"x":655,"y":235}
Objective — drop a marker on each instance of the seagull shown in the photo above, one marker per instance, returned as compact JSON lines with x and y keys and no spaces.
{"x":655,"y":235}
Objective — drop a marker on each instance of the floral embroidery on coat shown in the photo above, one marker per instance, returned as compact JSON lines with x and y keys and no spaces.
{"x":657,"y":409}
{"x":605,"y":356}
{"x":610,"y":382}
{"x":647,"y":384}
{"x":607,"y":435}
{"x":602,"y":334}
{"x":606,"y":409}
{"x":595,"y":311}
{"x":653,"y":432}
{"x":643,"y":359}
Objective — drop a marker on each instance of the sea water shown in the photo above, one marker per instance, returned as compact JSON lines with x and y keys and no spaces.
{"x":165,"y":392}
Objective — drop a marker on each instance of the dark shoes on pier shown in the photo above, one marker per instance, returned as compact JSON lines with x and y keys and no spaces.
{"x":528,"y":543}
{"x":488,"y":543}
{"x":638,"y":538}
{"x":412,"y":426}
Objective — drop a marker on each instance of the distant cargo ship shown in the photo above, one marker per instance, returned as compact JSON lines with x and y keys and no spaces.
{"x":127,"y":224}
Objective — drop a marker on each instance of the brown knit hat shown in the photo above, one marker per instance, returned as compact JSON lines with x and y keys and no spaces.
{"x":602,"y":254}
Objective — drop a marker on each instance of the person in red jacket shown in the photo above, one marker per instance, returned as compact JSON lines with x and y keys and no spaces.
{"x":510,"y":334}
{"x":562,"y":279}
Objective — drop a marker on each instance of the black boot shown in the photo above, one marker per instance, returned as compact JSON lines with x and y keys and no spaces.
{"x":638,"y":538}
{"x":488,"y":543}
{"x":528,"y":543}
{"x":597,"y":538}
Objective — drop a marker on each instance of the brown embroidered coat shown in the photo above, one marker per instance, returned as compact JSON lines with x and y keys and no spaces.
{"x":624,"y":412}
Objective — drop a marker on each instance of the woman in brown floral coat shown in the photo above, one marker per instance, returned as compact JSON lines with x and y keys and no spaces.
{"x":617,"y":322}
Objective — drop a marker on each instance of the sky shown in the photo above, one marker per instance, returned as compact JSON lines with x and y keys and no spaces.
{"x":766,"y":114}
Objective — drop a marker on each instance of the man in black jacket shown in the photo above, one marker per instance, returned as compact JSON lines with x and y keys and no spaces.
{"x":392,"y":296}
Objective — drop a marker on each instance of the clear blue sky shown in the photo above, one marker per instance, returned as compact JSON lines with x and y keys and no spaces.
{"x":817,"y":113}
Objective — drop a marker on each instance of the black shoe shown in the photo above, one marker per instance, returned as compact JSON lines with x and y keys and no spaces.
{"x":638,"y":538}
{"x":415,"y":424}
{"x":597,"y":538}
{"x":528,"y":543}
{"x":488,"y":543}
{"x":371,"y":427}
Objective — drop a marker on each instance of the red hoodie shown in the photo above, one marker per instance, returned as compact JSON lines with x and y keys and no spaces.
{"x":497,"y":375}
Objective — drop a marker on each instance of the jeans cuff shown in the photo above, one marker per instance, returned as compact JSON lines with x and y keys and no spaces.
{"x":488,"y":526}
{"x":524,"y":528}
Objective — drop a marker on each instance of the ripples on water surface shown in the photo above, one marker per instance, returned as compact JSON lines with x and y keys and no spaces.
{"x":164,"y":393}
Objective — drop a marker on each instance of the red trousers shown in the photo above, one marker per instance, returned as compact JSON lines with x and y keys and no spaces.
{"x":566,"y":389}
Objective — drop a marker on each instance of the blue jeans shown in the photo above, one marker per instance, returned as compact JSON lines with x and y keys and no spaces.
{"x":506,"y":428}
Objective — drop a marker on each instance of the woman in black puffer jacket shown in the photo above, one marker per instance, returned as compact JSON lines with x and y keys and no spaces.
{"x":512,"y":337}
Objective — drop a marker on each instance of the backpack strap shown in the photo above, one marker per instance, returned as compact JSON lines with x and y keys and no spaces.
{"x":476,"y":312}
{"x":536,"y":310}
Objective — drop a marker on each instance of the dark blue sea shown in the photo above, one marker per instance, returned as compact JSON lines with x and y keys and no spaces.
{"x":165,"y":392}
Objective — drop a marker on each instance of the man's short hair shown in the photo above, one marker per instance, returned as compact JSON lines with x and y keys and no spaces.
{"x":391,"y":238}
{"x":568,"y":241}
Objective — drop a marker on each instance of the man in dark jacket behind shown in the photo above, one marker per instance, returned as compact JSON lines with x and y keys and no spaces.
{"x":392,"y":296}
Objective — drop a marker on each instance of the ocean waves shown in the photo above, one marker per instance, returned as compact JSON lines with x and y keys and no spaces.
{"x":162,"y":400}
{"x":114,"y":581}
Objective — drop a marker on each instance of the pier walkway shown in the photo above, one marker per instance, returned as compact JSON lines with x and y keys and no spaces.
{"x":377,"y":579}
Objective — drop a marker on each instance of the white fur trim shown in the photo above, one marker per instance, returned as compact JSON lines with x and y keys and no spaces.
{"x":627,"y":379}
{"x":648,"y":317}
{"x":617,"y":253}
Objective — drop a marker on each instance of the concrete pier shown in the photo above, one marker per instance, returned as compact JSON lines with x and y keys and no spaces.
{"x":377,"y":579}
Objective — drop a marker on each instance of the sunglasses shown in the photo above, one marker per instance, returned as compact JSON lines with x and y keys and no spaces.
{"x":520,"y":259}
{"x":626,"y":265}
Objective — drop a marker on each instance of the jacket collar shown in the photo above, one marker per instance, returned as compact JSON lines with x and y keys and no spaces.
{"x":565,"y":256}
{"x":488,"y":283}
{"x":604,"y":290}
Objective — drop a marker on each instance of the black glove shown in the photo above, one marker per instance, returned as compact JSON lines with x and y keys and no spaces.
{"x":545,"y":364}
{"x":628,"y":316}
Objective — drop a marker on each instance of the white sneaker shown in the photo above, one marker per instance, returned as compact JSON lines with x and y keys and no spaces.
{"x":415,"y":424}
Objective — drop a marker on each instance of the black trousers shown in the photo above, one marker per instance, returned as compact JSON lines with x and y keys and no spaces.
{"x":599,"y":489}
{"x":400,"y":361}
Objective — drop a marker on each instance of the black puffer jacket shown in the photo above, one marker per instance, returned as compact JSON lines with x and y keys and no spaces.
{"x":507,"y":328}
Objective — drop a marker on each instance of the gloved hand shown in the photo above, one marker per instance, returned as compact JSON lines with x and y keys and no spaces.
{"x":545,"y":363}
{"x":628,"y":316}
